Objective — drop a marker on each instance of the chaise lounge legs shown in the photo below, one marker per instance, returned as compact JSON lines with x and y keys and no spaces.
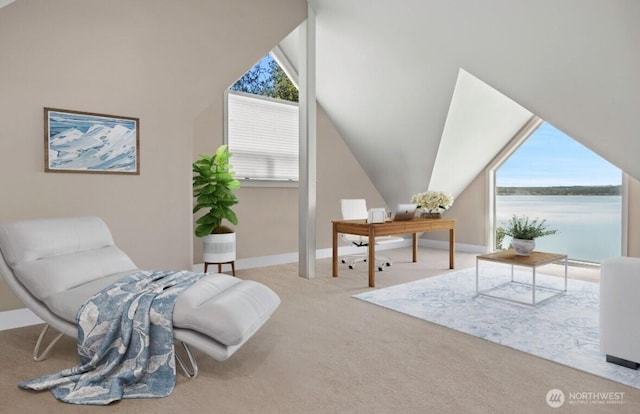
{"x":36,"y":351}
{"x":189,"y":372}
{"x":189,"y":367}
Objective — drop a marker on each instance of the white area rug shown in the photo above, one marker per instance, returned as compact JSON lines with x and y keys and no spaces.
{"x":564,"y":329}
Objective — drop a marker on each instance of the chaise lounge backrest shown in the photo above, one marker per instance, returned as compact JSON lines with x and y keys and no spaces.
{"x":50,"y":256}
{"x":54,"y":265}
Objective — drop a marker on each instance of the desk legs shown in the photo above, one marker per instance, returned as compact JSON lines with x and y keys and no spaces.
{"x":372,"y":257}
{"x":477,"y":262}
{"x":415,"y":247}
{"x":335,"y":251}
{"x":371,"y":254}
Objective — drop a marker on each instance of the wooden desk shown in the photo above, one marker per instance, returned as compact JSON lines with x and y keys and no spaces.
{"x":417,"y":225}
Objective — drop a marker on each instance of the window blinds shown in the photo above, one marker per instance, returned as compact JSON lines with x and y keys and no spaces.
{"x":262,"y":134}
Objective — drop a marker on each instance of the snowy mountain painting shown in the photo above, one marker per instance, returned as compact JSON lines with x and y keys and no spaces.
{"x":84,"y":142}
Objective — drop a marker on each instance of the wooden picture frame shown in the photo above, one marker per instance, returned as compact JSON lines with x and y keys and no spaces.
{"x":86,"y":142}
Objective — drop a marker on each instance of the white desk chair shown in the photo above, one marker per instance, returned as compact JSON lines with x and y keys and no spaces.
{"x":356,"y":209}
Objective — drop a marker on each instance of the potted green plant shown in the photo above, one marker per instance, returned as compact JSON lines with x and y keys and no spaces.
{"x":213,"y":186}
{"x":524,"y":232}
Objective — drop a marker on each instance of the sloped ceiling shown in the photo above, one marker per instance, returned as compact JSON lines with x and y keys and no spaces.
{"x":388,"y":73}
{"x":480,"y":122}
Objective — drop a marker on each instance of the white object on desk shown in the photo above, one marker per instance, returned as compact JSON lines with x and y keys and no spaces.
{"x":377,"y":215}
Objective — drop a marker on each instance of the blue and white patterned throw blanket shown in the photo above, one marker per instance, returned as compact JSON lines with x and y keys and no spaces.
{"x":125,"y":342}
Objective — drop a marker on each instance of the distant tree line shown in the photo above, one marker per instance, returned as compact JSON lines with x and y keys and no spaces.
{"x":601,"y":190}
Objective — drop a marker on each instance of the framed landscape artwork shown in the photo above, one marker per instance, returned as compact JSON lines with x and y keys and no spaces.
{"x":85,"y":142}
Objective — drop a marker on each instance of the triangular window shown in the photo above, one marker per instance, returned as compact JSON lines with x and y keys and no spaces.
{"x":261,"y":125}
{"x":551,"y":176}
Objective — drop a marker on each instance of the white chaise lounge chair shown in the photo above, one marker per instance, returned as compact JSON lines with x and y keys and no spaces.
{"x":54,"y":265}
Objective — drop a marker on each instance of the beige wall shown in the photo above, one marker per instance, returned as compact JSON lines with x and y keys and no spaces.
{"x":160,"y":61}
{"x":633,"y":243}
{"x":268,"y":217}
{"x":469,"y":210}
{"x":167,"y":63}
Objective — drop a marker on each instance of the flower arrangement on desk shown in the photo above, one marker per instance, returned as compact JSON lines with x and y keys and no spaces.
{"x":432,"y":203}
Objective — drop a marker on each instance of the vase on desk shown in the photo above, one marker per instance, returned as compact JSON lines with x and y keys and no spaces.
{"x":431,"y":215}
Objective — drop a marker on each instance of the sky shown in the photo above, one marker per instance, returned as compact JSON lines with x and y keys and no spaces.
{"x":551,"y":158}
{"x":262,"y":63}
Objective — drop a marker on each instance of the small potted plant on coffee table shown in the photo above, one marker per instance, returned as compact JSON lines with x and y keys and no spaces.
{"x":525,"y":232}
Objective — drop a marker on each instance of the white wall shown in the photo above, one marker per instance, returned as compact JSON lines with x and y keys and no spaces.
{"x":387,"y":72}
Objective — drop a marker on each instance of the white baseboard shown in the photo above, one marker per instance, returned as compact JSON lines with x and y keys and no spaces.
{"x":252,"y":262}
{"x":460,"y":247}
{"x":18,"y":318}
{"x":24,"y":317}
{"x":277,"y":259}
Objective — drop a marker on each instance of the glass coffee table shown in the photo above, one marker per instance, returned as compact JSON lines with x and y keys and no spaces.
{"x":535,"y":260}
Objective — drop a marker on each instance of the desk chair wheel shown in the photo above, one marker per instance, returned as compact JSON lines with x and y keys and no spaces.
{"x":351,"y":267}
{"x":388,"y":264}
{"x":343,"y":261}
{"x":381,"y":268}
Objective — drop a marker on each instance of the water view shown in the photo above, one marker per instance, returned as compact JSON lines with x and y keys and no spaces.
{"x":589,"y":226}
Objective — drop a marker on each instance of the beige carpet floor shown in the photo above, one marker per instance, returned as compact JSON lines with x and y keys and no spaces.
{"x":326,"y":352}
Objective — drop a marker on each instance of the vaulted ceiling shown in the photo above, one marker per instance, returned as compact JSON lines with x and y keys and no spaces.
{"x":426,"y":92}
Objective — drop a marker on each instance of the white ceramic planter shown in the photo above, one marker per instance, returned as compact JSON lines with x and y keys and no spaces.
{"x":219,"y":248}
{"x":523,"y":247}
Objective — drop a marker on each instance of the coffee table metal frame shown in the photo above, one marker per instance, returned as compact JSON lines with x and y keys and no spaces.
{"x":535,"y":260}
